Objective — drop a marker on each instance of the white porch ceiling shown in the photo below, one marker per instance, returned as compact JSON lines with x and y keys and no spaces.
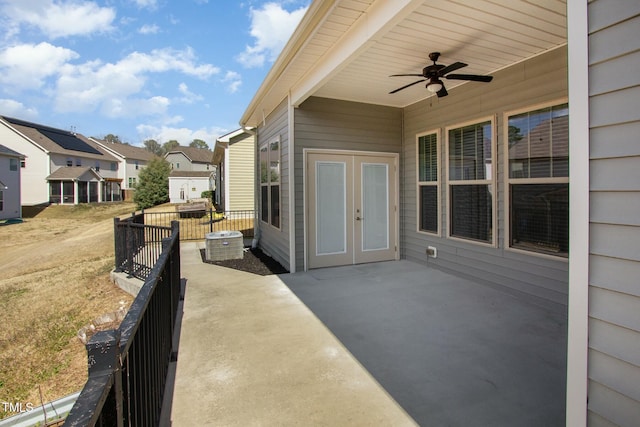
{"x":350,"y":47}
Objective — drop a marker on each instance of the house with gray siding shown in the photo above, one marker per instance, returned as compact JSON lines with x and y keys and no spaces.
{"x":10,"y":162}
{"x":528,"y":182}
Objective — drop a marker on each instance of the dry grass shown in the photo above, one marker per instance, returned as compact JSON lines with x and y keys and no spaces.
{"x":54,"y":280}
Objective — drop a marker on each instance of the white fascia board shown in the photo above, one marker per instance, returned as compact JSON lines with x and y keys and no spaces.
{"x":16,"y":131}
{"x":375,"y":23}
{"x":110,"y":150}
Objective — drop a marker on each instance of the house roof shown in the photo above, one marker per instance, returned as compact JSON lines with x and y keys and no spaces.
{"x":59,"y":141}
{"x":195,"y":155}
{"x":347,"y":50}
{"x":125,"y":150}
{"x":190,"y":174}
{"x":71,"y":173}
{"x":9,"y":152}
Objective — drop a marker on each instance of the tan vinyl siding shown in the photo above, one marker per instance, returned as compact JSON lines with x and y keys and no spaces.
{"x":341,"y":125}
{"x":275,"y":241}
{"x":240,"y":169}
{"x":537,"y":81}
{"x":614,"y":266}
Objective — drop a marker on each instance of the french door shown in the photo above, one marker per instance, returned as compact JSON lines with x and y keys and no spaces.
{"x":352,"y":208}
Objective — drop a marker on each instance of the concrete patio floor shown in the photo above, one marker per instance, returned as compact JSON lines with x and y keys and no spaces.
{"x":393,"y":343}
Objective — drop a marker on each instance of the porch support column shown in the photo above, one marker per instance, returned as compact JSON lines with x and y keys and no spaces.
{"x":76,"y":188}
{"x":578,"y":313}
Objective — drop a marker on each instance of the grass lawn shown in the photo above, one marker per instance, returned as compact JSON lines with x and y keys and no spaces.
{"x":53,"y":281}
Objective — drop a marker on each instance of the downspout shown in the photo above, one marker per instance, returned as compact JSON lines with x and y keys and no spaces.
{"x":256,"y":185}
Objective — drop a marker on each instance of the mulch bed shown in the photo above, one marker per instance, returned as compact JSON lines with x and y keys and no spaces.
{"x":254,"y":261}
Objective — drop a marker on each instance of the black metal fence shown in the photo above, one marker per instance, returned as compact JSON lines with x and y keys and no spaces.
{"x":194,"y":225}
{"x":128,"y":366}
{"x":138,"y":245}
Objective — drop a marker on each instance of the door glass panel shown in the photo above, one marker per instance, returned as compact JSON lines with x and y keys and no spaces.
{"x":331,"y":215}
{"x":375,"y":207}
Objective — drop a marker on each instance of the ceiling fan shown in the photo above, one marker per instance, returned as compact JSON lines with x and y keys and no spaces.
{"x":433,"y":73}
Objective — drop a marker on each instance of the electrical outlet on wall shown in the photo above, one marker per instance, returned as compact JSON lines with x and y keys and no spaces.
{"x":432,"y":252}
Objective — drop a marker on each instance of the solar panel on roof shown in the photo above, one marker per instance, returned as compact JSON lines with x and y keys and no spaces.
{"x":69,"y":141}
{"x":65,"y":139}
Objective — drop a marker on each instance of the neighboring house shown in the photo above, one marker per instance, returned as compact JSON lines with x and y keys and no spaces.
{"x":190,"y":159}
{"x":233,"y":157}
{"x":60,"y":166}
{"x":188,"y":185}
{"x":132,"y":160}
{"x":348,"y":172}
{"x":192,"y":172}
{"x":10,"y":162}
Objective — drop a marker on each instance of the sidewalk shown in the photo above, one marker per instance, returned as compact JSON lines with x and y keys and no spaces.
{"x":252,"y":354}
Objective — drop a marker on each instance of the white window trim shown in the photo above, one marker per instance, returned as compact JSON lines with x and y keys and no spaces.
{"x":491,"y":182}
{"x":435,"y":183}
{"x":268,"y":183}
{"x":508,"y":181}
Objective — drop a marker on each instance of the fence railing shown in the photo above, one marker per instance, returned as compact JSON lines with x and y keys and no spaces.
{"x":128,"y":366}
{"x":138,"y":245}
{"x":194,"y":225}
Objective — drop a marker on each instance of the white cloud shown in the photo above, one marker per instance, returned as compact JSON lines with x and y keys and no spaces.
{"x":183,"y":135}
{"x":149,"y":29}
{"x":58,"y":18}
{"x":271,"y":26}
{"x":146,"y":4}
{"x":11,"y":108}
{"x":234,"y":81}
{"x":114,"y":88}
{"x":188,"y":96}
{"x":26,"y":66}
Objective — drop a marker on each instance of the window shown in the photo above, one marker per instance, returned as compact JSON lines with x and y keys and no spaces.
{"x":23,"y":163}
{"x":69,"y":161}
{"x":114,"y":166}
{"x":538,"y":180}
{"x":137,"y":165}
{"x":1,"y":200}
{"x":428,"y":172}
{"x":13,"y":164}
{"x":177,"y":165}
{"x":471,"y":182}
{"x":132,"y":182}
{"x":97,"y":168}
{"x":78,"y":162}
{"x":270,"y":183}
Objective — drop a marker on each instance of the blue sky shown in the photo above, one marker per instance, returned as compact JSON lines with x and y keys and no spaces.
{"x":139,"y":69}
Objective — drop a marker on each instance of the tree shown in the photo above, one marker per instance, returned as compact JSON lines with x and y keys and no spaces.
{"x":153,"y":184}
{"x":198,"y":143}
{"x":111,"y":138}
{"x":154,"y":146}
{"x":170,"y":145}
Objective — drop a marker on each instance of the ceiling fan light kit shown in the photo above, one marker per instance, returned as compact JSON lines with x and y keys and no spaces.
{"x":433,"y":73}
{"x":434,"y":86}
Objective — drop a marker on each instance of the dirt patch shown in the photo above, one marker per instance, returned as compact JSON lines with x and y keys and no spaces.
{"x":254,"y":261}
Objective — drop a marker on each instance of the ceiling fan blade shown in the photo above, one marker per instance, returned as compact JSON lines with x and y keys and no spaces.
{"x":470,"y":77}
{"x":411,"y":75}
{"x":450,"y":68}
{"x":442,"y":92}
{"x":406,"y":86}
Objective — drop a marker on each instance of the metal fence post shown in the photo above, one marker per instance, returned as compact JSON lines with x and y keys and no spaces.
{"x":103,"y":353}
